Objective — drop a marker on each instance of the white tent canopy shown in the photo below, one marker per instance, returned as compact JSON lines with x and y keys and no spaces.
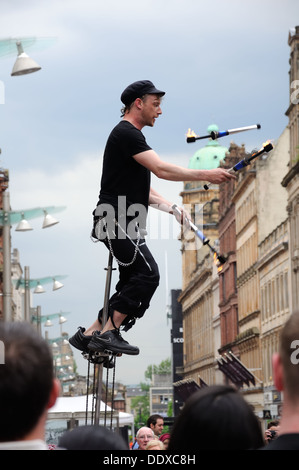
{"x":75,"y":407}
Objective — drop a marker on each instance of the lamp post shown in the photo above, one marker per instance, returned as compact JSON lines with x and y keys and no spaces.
{"x":7,"y":219}
{"x":23,"y":66}
{"x":36,"y":317}
{"x":37,"y":284}
{"x":6,"y":259}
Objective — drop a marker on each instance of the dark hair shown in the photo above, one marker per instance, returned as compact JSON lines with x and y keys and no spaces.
{"x":26,"y":379}
{"x":126,"y":108}
{"x":273,"y":423}
{"x":216,"y":418}
{"x":153,"y":420}
{"x":92,"y":438}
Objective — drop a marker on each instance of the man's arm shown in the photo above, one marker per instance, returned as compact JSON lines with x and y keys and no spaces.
{"x":168,"y":171}
{"x":159,"y":202}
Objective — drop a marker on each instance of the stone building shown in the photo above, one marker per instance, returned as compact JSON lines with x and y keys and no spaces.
{"x":262,"y":258}
{"x":247,"y":341}
{"x":243,"y":307}
{"x":228,"y":297}
{"x":200,"y":292}
{"x":224,"y":310}
{"x":291,"y":178}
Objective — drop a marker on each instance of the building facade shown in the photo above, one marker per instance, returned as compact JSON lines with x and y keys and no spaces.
{"x":241,"y":307}
{"x":200,"y":286}
{"x":228,"y":295}
{"x":177,"y":342}
{"x":291,"y":178}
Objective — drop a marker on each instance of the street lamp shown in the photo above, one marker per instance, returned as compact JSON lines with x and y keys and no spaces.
{"x":37,"y":284}
{"x":49,"y":220}
{"x":46,"y":319}
{"x":24,"y":64}
{"x":24,"y":226}
{"x":8,"y":218}
{"x":39,"y":288}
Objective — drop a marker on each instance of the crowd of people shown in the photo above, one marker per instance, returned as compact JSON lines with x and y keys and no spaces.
{"x":216,"y":417}
{"x":150,"y":437}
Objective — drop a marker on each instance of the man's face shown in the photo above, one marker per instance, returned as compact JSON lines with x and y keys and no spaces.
{"x":145,"y":435}
{"x":151,"y":109}
{"x":158,"y":427}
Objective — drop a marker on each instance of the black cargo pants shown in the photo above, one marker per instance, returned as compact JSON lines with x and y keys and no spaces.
{"x":138,"y":275}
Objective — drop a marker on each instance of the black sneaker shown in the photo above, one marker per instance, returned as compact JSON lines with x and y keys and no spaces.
{"x":112,"y":341}
{"x":79,"y":340}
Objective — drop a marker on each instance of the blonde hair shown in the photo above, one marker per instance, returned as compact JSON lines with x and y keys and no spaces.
{"x":155,"y":443}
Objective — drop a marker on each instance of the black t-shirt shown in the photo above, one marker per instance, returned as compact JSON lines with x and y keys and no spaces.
{"x":122,"y":175}
{"x":284,"y":442}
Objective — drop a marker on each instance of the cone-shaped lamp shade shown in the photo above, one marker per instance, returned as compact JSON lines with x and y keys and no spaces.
{"x":23,"y":226}
{"x":48,"y":322}
{"x":39,"y":289}
{"x":57,"y":285}
{"x":24,"y":64}
{"x":49,"y":221}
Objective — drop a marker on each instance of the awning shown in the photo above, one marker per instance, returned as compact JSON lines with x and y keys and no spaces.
{"x":75,"y":407}
{"x":185,"y":388}
{"x":234,"y":370}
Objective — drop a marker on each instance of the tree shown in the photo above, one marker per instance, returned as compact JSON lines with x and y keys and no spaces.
{"x":163,"y":368}
{"x":140,"y":405}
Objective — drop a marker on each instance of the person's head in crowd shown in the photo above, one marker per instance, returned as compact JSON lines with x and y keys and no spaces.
{"x":28,"y":387}
{"x":143,"y":436}
{"x":156,"y":423}
{"x":155,"y":444}
{"x":165,"y":439}
{"x":286,"y":360}
{"x":216,"y":417}
{"x":91,"y":438}
{"x":272,"y":431}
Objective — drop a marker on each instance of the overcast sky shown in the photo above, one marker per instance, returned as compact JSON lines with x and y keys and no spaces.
{"x":222,"y":62}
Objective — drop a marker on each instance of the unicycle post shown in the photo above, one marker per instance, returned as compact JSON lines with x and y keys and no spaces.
{"x":104,"y":320}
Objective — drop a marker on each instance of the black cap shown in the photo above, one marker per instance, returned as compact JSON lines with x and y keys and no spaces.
{"x":137,"y":90}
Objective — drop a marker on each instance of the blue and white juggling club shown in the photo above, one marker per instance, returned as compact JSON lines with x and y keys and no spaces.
{"x":220,"y":258}
{"x":267,"y":147}
{"x":217,"y":134}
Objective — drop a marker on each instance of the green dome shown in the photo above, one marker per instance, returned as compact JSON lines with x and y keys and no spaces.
{"x":208,"y":157}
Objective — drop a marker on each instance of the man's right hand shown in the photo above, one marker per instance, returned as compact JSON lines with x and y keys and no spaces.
{"x":218,"y":175}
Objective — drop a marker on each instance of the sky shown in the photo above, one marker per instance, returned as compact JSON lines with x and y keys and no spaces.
{"x":223,"y":63}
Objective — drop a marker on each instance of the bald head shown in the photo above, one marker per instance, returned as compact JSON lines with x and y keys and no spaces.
{"x":144,"y":435}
